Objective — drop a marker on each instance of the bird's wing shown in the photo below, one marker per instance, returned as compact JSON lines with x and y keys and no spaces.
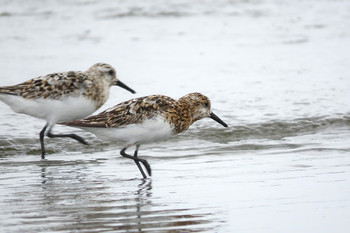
{"x":52,"y":86}
{"x":133,"y":111}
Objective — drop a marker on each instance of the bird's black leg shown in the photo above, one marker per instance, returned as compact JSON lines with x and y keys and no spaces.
{"x":41,"y":136}
{"x":73,"y":136}
{"x":137,"y":160}
{"x":138,"y":163}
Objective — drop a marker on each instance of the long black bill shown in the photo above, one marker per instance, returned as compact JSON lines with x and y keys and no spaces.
{"x":119,"y":83}
{"x":217,"y":119}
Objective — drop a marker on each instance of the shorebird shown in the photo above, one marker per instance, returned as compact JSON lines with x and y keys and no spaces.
{"x":147,"y":119}
{"x":62,"y":96}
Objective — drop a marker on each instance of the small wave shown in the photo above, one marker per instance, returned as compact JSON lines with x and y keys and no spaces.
{"x":146,"y":14}
{"x":10,"y":146}
{"x":271,"y":130}
{"x":24,"y":14}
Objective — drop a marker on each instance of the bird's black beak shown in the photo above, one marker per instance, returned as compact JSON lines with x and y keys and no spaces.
{"x":119,"y":83}
{"x":217,"y":119}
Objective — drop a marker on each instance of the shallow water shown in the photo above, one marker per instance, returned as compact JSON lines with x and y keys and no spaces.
{"x":276,"y":72}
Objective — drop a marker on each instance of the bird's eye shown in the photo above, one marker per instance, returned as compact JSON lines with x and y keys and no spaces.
{"x":206,"y":104}
{"x":111,"y":72}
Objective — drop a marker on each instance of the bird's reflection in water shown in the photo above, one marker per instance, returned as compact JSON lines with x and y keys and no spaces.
{"x":143,"y":199}
{"x":143,"y":193}
{"x":43,"y":175}
{"x":74,"y":199}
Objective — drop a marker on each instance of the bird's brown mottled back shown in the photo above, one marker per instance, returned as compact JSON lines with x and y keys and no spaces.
{"x":51,"y":86}
{"x":89,"y":84}
{"x":137,"y":110}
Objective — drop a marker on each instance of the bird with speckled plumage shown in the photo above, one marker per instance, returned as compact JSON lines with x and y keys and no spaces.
{"x":62,"y":96}
{"x":147,"y":119}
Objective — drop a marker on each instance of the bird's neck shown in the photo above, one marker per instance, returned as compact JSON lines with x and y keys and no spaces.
{"x":185,"y":119}
{"x":97,"y":92}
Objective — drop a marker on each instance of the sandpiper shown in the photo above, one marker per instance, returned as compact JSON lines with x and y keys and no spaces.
{"x":147,"y":119}
{"x":62,"y":96}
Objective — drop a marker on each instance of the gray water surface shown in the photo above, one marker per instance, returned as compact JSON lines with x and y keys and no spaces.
{"x":277,"y":72}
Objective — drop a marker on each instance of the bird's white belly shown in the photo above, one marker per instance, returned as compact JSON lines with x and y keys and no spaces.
{"x":65,"y":109}
{"x":149,"y":131}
